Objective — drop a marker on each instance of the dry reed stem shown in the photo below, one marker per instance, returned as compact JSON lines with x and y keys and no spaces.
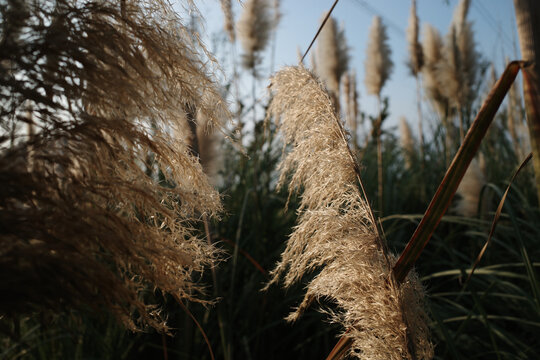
{"x":83,"y":225}
{"x":335,"y":236}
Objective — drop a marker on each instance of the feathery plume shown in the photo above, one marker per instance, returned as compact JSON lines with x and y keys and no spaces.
{"x":226,"y":6}
{"x":332,"y":55}
{"x":470,"y":187}
{"x":432,"y":58}
{"x":253,"y":29}
{"x":517,"y":126}
{"x":351,"y":104}
{"x":416,"y":56}
{"x":459,"y":69}
{"x":277,"y":13}
{"x":208,"y":140}
{"x":459,"y":18}
{"x":407,"y":142}
{"x":83,"y":225}
{"x":378,"y":63}
{"x":336,"y":235}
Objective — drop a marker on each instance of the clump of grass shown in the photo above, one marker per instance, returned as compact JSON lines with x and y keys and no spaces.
{"x":102,"y":86}
{"x":336,"y":234}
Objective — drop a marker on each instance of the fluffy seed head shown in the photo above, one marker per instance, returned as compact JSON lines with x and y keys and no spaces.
{"x":332,"y":55}
{"x":226,"y":7}
{"x":470,"y":187}
{"x":459,"y":69}
{"x":84,"y":214}
{"x":335,"y":235}
{"x":416,"y":56}
{"x":407,"y":142}
{"x":433,"y":46}
{"x":378,"y":63}
{"x":253,"y":29}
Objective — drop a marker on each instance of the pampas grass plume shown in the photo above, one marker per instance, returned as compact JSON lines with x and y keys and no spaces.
{"x":253,"y":29}
{"x":226,"y":7}
{"x":433,"y":56}
{"x":378,"y":63}
{"x":88,"y":228}
{"x":335,"y":235}
{"x":470,"y":187}
{"x":458,"y":71}
{"x":407,"y":142}
{"x":332,"y":56}
{"x":416,"y":56}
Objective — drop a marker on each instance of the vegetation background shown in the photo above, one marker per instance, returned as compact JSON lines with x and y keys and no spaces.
{"x":494,"y":315}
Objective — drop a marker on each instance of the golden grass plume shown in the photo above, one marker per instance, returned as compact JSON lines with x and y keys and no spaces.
{"x":332,"y":55}
{"x":416,"y":55}
{"x":335,"y":236}
{"x":253,"y":29}
{"x":101,"y":86}
{"x":378,"y":63}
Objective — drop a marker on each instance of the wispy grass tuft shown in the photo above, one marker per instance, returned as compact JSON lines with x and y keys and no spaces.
{"x":102,"y":86}
{"x":336,"y":236}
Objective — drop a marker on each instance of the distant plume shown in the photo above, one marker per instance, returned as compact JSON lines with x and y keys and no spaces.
{"x":226,"y":6}
{"x":517,"y":126}
{"x":378,"y":63}
{"x":433,"y":55}
{"x":332,"y":55}
{"x":458,"y":72}
{"x":407,"y":142}
{"x":253,"y":29}
{"x":459,"y":18}
{"x":350,"y":93}
{"x":416,"y":56}
{"x":336,"y":237}
{"x":469,"y":189}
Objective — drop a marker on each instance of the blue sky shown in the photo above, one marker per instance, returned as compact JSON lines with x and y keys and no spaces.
{"x":493,"y":24}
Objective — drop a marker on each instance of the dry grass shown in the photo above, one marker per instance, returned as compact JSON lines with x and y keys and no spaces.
{"x":332,"y":56}
{"x":335,"y":236}
{"x":378,"y":62}
{"x":101,"y":86}
{"x":416,"y":55}
{"x":253,"y":29}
